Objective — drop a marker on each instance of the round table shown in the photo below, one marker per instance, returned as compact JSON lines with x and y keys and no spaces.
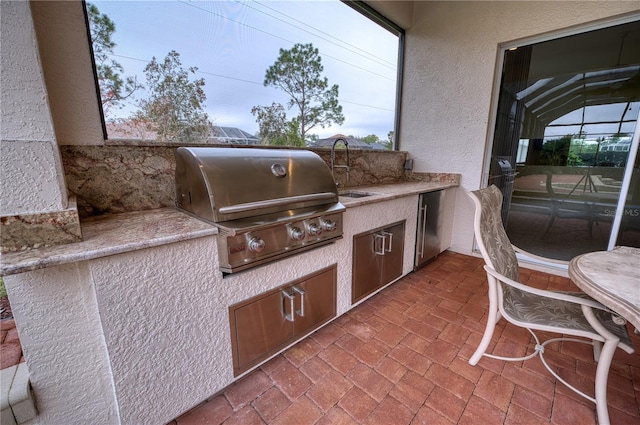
{"x":612,"y":278}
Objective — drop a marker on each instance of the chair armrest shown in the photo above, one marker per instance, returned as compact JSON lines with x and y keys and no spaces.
{"x":545,"y":293}
{"x":538,"y":258}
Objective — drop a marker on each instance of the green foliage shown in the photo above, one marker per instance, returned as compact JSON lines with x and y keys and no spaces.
{"x":113,"y":88}
{"x":274,"y":129}
{"x":292,"y":134}
{"x":174,"y":108}
{"x":3,"y":290}
{"x":556,"y":151}
{"x":298,"y":72}
{"x":370,"y":139}
{"x":573,"y":159}
{"x":389,"y":142}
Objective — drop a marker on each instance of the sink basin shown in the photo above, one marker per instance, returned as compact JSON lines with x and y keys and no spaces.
{"x":354,"y":194}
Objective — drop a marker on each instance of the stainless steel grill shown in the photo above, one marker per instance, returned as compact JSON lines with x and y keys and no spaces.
{"x":267,"y":204}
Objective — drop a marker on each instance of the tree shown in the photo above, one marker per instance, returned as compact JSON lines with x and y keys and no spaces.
{"x":371,"y":139}
{"x":274,"y":129}
{"x":175,"y":105}
{"x":113,"y":88}
{"x":390,"y":139}
{"x":556,"y":151}
{"x":298,"y":72}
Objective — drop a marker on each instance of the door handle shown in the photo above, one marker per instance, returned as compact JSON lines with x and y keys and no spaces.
{"x":423,"y":229}
{"x":385,"y":234}
{"x":301,"y":292}
{"x":286,"y":295}
{"x":377,"y":237}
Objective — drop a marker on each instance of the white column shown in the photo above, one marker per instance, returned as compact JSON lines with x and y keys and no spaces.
{"x":31,"y":174}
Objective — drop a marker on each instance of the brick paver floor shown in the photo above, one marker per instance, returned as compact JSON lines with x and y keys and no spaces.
{"x":10,"y":351}
{"x":401,"y":358}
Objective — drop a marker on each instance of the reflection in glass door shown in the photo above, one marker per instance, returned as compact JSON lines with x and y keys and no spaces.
{"x":564,"y":151}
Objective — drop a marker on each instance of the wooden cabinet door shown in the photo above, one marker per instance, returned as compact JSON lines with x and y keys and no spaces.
{"x":315,"y":301}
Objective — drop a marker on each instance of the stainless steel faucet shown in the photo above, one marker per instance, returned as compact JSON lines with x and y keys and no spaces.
{"x":333,"y":158}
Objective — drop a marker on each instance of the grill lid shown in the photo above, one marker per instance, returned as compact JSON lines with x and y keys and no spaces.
{"x":223,"y":184}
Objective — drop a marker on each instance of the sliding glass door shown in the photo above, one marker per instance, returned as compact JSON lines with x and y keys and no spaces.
{"x":565,"y":144}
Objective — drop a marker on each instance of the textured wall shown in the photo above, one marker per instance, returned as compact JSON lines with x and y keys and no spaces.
{"x":164,"y":327}
{"x":66,"y":62}
{"x":152,"y":327}
{"x":450,"y":59}
{"x":30,"y":165}
{"x":57,"y":319}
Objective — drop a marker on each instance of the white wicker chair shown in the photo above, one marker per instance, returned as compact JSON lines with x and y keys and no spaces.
{"x":567,"y":313}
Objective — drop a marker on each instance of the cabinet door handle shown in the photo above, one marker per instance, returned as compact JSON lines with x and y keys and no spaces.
{"x":288,"y":316}
{"x":377,"y":237}
{"x":301,"y":292}
{"x":385,"y":234}
{"x":423,"y":229}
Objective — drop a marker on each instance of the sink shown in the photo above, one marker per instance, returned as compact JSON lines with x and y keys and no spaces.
{"x":354,"y":194}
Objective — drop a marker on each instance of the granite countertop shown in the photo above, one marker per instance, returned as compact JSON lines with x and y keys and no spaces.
{"x":387,"y":192}
{"x":112,"y":234}
{"x":118,"y":233}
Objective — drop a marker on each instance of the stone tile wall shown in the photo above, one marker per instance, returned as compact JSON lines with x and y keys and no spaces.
{"x":131,"y":176}
{"x":123,"y":178}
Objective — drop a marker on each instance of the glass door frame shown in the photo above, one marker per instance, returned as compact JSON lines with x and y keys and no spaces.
{"x":493,"y":115}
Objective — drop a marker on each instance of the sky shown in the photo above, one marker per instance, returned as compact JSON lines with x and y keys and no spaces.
{"x":232,"y":43}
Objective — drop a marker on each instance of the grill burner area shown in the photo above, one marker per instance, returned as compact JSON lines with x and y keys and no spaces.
{"x":267,"y":204}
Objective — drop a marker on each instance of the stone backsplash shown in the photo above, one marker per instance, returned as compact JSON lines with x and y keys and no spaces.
{"x":126,"y":177}
{"x":27,"y":231}
{"x":117,"y":179}
{"x":121,"y":177}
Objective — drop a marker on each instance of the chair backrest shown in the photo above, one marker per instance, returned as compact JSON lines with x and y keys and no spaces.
{"x":492,"y":239}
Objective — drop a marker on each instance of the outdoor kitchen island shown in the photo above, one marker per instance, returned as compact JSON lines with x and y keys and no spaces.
{"x":143,"y":309}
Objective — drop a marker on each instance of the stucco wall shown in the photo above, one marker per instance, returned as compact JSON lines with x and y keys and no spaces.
{"x":62,"y":339}
{"x":450,"y":61}
{"x":143,"y":336}
{"x":165,"y":328}
{"x":66,"y":61}
{"x":32,"y":180}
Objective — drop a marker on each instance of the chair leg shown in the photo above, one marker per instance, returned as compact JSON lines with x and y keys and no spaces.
{"x":597,"y":349}
{"x":604,"y":362}
{"x":602,"y":375}
{"x":484,"y":343}
{"x":492,"y":319}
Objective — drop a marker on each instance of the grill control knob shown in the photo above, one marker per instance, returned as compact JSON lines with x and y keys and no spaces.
{"x":297,"y":234}
{"x":256,"y":245}
{"x":314,"y":229}
{"x":329,"y":225}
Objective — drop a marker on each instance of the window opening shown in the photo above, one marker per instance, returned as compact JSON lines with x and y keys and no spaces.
{"x":193,"y":72}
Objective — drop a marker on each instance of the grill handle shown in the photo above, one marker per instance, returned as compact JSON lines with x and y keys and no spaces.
{"x":269,"y":203}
